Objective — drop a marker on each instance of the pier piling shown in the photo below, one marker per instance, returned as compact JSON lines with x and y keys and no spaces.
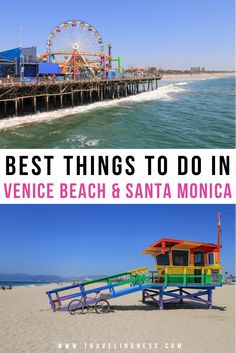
{"x":29,"y":98}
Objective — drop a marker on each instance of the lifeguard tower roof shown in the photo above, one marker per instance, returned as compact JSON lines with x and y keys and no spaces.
{"x":163,"y":244}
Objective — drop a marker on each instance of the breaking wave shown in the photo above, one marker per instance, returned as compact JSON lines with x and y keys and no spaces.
{"x":162,"y":93}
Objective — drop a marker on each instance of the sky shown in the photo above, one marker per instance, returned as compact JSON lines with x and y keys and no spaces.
{"x":75,"y":240}
{"x":171,"y":34}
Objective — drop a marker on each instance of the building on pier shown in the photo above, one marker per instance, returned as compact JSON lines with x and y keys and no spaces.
{"x":19,"y":62}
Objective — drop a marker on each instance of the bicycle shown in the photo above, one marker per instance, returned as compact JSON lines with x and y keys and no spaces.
{"x":77,"y":306}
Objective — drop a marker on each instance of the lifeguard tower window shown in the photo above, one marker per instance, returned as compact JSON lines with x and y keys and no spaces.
{"x":198,"y":258}
{"x":180,"y":257}
{"x":163,"y":259}
{"x":211,"y":258}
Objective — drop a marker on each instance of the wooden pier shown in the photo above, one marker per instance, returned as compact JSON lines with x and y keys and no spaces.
{"x":17,"y":99}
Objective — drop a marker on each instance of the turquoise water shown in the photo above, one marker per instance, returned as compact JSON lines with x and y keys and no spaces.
{"x":180,"y":114}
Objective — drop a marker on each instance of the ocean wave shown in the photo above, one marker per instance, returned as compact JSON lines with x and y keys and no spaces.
{"x":90,"y":143}
{"x":209,"y":78}
{"x":162,"y":93}
{"x":182,"y":83}
{"x":16,"y":133}
{"x":82,"y":140}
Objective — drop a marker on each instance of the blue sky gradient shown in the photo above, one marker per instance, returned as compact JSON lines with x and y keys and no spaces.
{"x":103,"y":239}
{"x":165,"y":33}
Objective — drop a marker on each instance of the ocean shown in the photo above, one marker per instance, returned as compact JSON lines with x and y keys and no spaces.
{"x":22,"y":283}
{"x":183,"y":113}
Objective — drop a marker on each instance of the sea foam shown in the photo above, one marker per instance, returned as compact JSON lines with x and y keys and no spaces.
{"x":162,"y":93}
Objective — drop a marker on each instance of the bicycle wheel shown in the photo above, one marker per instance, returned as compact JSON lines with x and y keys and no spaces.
{"x":102,"y":306}
{"x":76,"y":307}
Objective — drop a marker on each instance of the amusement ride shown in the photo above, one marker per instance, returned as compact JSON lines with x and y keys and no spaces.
{"x":78,"y":48}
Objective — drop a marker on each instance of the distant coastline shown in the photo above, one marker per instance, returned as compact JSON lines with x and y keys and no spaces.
{"x":188,"y":75}
{"x":22,"y":283}
{"x":27,"y":280}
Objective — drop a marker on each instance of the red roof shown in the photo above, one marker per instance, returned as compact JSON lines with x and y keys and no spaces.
{"x":178,"y":244}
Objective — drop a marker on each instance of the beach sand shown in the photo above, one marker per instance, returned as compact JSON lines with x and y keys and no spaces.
{"x":198,"y":75}
{"x":29,"y":326}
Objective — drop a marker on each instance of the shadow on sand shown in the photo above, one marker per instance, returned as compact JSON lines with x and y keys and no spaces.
{"x":167,"y":306}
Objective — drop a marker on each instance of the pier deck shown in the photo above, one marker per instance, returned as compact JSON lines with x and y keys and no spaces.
{"x":18,"y":99}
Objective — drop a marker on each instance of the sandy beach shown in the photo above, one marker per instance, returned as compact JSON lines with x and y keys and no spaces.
{"x":29,"y":326}
{"x":198,"y":75}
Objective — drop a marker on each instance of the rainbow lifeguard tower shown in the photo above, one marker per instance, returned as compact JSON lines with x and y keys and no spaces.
{"x":184,"y":264}
{"x":193,"y":268}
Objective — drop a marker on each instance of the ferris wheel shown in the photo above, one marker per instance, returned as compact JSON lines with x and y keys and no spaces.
{"x":75,"y":41}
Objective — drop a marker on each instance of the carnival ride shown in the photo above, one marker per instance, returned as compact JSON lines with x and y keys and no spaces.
{"x":186,"y":265}
{"x":77,"y":47}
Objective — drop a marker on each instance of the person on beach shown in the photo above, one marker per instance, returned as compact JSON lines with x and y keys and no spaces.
{"x":9,"y":287}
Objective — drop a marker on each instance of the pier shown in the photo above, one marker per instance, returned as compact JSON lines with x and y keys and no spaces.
{"x":18,"y":99}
